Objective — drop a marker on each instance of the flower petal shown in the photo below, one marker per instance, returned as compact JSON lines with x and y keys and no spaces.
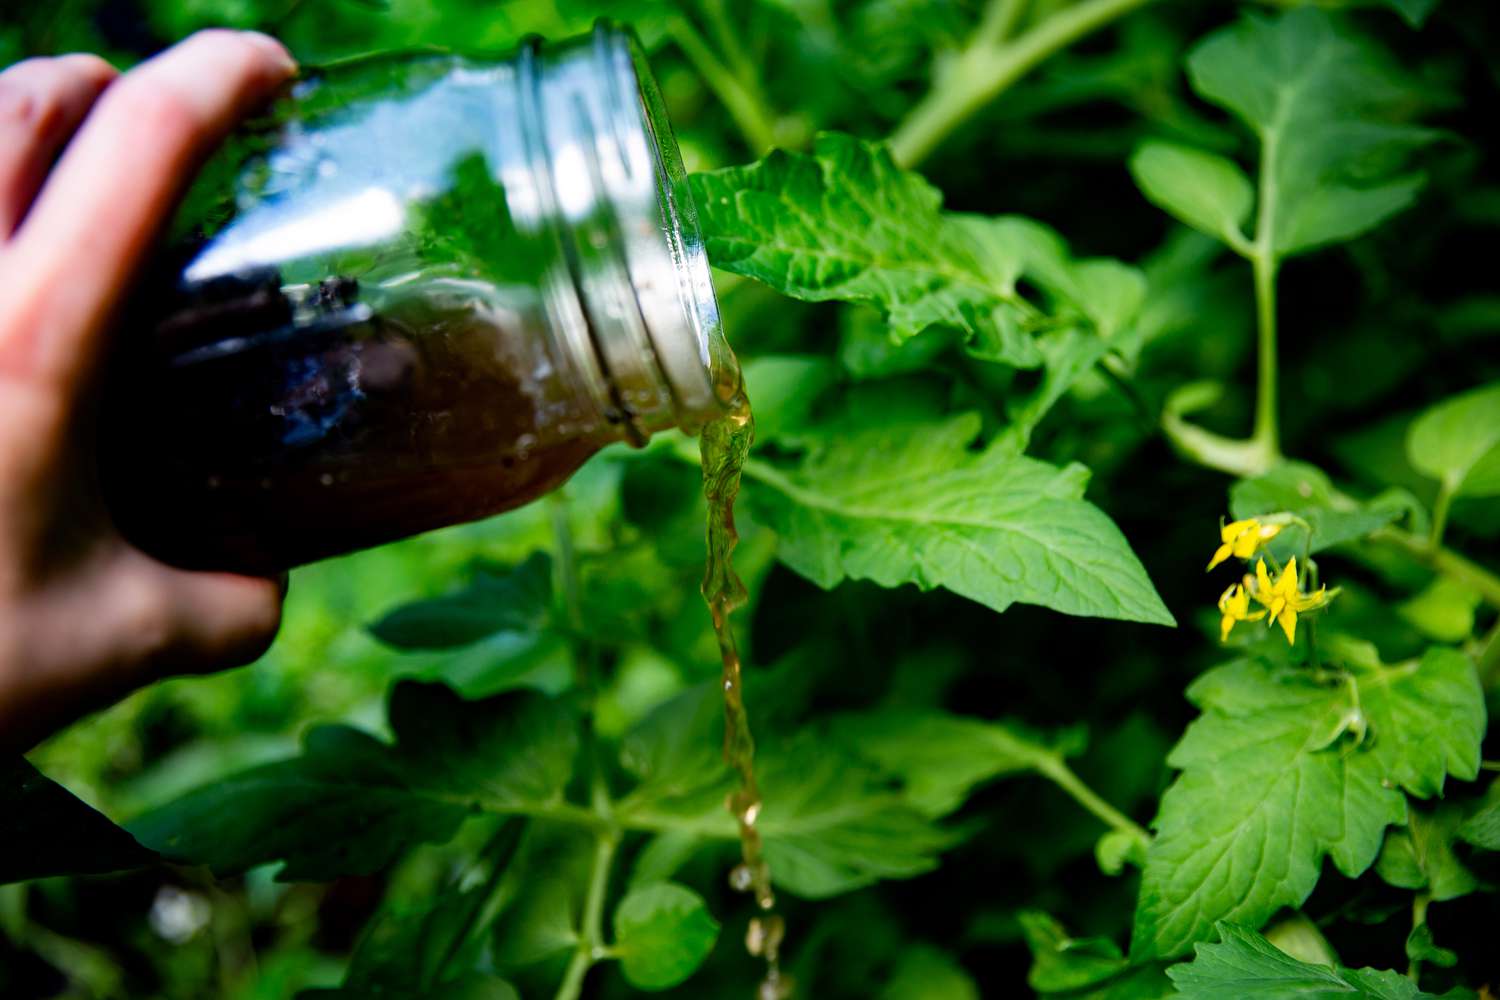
{"x":1286,"y":585}
{"x":1227,"y":597}
{"x":1288,"y":622}
{"x":1229,"y":532}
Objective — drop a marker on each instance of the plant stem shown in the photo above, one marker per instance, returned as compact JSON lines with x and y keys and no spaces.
{"x":1233,"y":456}
{"x":499,"y":850}
{"x":1266,"y":434}
{"x":986,"y":69}
{"x":1440,"y":515}
{"x":600,"y":814}
{"x":755,"y":121}
{"x":1418,"y":918}
{"x":1446,"y":562}
{"x":727,"y":37}
{"x":1263,"y":261}
{"x":1055,"y":770}
{"x":567,"y":561}
{"x":1000,"y":20}
{"x":591,"y":931}
{"x":1488,"y":662}
{"x":584,"y":650}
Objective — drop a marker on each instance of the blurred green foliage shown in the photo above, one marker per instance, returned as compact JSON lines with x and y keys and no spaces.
{"x":928,"y":845}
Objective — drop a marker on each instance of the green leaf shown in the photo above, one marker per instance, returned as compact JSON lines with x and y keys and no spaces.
{"x":663,"y":932}
{"x":925,"y":973}
{"x":831,"y":826}
{"x":830,"y":823}
{"x":845,"y":223}
{"x":1068,"y":355}
{"x":1204,"y":190}
{"x":1458,"y":442}
{"x":1244,"y":965}
{"x":541,"y":922}
{"x":45,"y":830}
{"x":1300,"y":938}
{"x":414,"y":951}
{"x":1118,"y":848}
{"x":674,"y":752}
{"x":351,"y":804}
{"x":1103,"y":292}
{"x":1420,"y":947}
{"x":1416,"y":12}
{"x":1060,"y":962}
{"x":515,"y":601}
{"x":1326,"y":107}
{"x":939,"y":757}
{"x":1306,"y":491}
{"x":911,"y":503}
{"x":663,"y":856}
{"x":1420,"y":855}
{"x":1084,"y":968}
{"x":867,"y":351}
{"x":1275,"y":778}
{"x":1109,"y":293}
{"x":1427,"y":717}
{"x":476,"y":986}
{"x":1483,"y":828}
{"x":784,"y":388}
{"x":1443,"y":610}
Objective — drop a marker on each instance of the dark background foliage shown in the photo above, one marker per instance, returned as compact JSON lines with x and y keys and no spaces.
{"x":1372,"y":332}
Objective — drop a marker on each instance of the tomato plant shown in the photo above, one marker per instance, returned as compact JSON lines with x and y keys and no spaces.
{"x":1044,"y":306}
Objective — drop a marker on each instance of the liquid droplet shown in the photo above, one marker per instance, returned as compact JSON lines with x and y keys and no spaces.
{"x":775,"y":987}
{"x":763,"y":937}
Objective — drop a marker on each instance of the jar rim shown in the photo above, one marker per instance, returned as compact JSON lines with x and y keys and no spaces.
{"x":698,"y":365}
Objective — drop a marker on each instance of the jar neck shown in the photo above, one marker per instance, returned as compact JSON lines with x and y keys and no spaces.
{"x":628,"y":294}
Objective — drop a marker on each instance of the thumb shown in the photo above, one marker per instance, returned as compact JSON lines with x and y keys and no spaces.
{"x":215,"y":620}
{"x":121,"y":621}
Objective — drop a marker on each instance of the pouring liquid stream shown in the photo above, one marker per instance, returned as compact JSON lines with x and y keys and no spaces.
{"x":723,"y":446}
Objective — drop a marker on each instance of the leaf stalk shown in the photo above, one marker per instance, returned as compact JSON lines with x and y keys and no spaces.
{"x":1445,"y":561}
{"x":756,"y":122}
{"x":1054,"y":769}
{"x":1418,"y":918}
{"x":990,"y":65}
{"x":1440,"y":507}
{"x":1266,"y":436}
{"x":591,"y":947}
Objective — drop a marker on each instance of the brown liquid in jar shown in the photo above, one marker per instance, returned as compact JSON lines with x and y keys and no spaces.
{"x":259,"y":432}
{"x":417,"y":290}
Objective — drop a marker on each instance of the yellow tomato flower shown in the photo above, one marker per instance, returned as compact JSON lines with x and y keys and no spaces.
{"x":1283,"y":598}
{"x":1234,"y":605}
{"x":1241,"y":538}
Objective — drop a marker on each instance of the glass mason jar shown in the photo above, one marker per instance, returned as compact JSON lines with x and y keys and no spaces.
{"x":420,"y":290}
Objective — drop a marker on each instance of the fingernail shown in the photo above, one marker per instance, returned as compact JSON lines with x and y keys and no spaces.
{"x":271,"y":47}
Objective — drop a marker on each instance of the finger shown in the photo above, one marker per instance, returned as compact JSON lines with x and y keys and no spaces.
{"x":171,"y":621}
{"x":42,"y":102}
{"x":127,"y":622}
{"x":216,"y":620}
{"x":69,"y":265}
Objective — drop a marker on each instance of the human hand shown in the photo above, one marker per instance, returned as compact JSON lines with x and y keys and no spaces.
{"x":84,"y":616}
